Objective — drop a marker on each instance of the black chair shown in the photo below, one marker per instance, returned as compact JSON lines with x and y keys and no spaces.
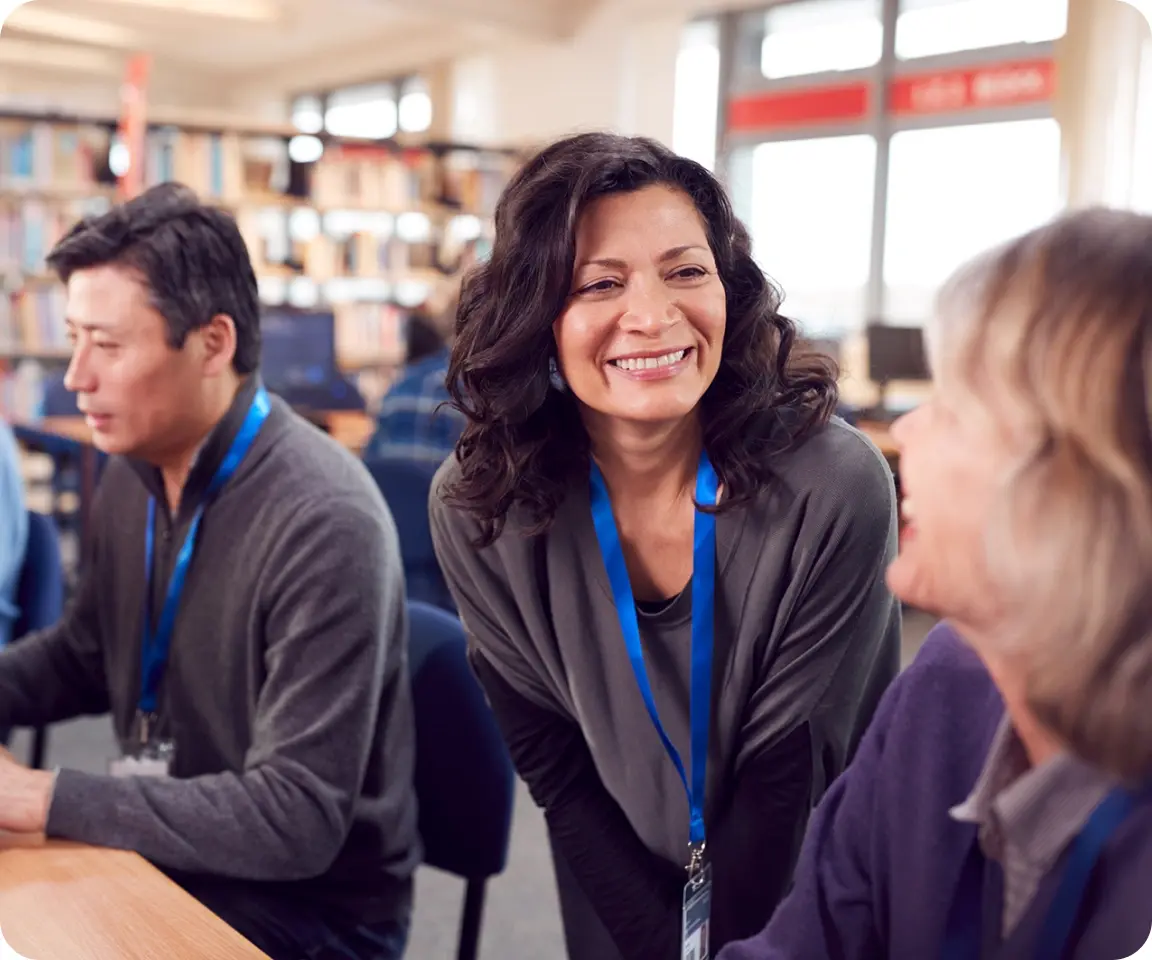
{"x":406,"y":486}
{"x":40,"y":597}
{"x":464,"y":778}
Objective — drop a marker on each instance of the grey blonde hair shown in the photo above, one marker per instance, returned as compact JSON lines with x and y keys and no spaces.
{"x":1050,"y":339}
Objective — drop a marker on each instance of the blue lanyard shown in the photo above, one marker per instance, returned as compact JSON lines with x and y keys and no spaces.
{"x":703,"y":605}
{"x":966,"y":924}
{"x":154,"y":653}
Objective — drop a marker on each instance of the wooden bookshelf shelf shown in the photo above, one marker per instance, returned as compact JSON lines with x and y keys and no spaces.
{"x":45,"y":355}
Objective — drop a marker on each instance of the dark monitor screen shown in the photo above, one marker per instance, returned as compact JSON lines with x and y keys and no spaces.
{"x":299,"y":349}
{"x":896,"y":353}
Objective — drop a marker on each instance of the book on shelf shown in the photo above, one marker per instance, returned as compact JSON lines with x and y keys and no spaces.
{"x":49,"y":156}
{"x":369,"y":334}
{"x":32,"y":322}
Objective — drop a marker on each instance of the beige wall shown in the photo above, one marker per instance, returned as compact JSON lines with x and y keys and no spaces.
{"x":617,"y":73}
{"x":1099,"y":64}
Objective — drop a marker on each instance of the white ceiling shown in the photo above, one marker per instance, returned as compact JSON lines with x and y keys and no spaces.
{"x":286,"y":45}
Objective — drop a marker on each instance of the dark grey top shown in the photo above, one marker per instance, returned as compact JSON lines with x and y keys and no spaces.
{"x":805,"y":629}
{"x":286,"y":691}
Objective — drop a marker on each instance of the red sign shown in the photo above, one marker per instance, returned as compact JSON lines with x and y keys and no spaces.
{"x":134,"y":123}
{"x":947,"y":91}
{"x":844,"y":103}
{"x":977,"y":88}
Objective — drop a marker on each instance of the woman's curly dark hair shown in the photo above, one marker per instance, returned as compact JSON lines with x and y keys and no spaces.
{"x":524,"y":442}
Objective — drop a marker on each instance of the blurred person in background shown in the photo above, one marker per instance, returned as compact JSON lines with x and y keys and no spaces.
{"x":13,"y":531}
{"x":416,"y":422}
{"x":676,"y":685}
{"x":241,"y":615}
{"x":999,"y":804}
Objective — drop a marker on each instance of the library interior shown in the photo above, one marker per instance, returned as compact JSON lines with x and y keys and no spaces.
{"x":280,"y":678}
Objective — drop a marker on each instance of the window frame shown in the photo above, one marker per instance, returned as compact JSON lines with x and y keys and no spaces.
{"x":742,"y":79}
{"x":398,"y":83}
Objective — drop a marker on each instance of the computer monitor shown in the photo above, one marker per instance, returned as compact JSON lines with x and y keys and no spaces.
{"x":299,"y":350}
{"x":896,"y":353}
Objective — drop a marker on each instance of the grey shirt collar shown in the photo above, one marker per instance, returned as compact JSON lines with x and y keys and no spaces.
{"x":1028,"y":815}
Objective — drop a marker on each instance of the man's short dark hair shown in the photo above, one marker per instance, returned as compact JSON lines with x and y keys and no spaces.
{"x":190,"y":256}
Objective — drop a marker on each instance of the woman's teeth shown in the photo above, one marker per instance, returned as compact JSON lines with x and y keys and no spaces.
{"x":649,"y":363}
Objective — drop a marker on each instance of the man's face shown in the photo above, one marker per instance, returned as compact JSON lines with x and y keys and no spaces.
{"x":138,"y":394}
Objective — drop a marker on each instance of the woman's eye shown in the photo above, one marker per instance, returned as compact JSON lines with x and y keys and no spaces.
{"x":689,"y":273}
{"x":600,"y":286}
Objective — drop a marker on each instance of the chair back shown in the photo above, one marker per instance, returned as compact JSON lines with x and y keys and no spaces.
{"x":406,"y":486}
{"x":465,"y":783}
{"x":40,"y":594}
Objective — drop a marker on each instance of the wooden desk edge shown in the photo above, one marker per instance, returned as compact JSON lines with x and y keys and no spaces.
{"x":85,"y":882}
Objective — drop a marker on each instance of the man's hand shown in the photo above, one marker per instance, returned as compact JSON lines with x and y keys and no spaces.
{"x":25,"y":796}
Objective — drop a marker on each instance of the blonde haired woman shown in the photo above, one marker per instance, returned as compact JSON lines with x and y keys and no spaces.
{"x":997,"y":807}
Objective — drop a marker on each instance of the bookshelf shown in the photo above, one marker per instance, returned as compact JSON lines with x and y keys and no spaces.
{"x":370,"y":230}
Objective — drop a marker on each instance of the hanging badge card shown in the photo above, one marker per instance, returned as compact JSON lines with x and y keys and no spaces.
{"x":141,"y":766}
{"x":697,"y":910}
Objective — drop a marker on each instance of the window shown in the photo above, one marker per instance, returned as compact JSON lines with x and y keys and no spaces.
{"x":415,"y":106}
{"x":956,"y":191}
{"x":929,"y":27}
{"x":308,"y":114}
{"x":697,"y":93}
{"x":368,"y":112}
{"x":373,"y":111}
{"x":1142,"y":146}
{"x":811,"y":224}
{"x":817,"y":36}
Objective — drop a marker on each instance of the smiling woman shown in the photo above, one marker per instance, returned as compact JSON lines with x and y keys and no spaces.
{"x":668,"y":555}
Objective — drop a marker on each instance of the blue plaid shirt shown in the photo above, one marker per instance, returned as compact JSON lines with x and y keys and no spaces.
{"x":411,"y":424}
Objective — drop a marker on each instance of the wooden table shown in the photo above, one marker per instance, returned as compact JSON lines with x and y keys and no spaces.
{"x":66,"y":901}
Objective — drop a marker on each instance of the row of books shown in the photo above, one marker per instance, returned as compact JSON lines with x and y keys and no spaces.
{"x":32,"y":321}
{"x":234,"y":169}
{"x":22,"y":390}
{"x":32,"y":325}
{"x":364,"y":255}
{"x":30,"y":228}
{"x":370,"y":335}
{"x":45,"y":155}
{"x":372,"y":178}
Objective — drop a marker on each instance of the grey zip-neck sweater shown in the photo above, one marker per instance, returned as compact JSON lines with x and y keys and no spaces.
{"x":286,"y":690}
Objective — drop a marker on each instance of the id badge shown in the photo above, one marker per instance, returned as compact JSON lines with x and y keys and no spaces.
{"x":141,"y":766}
{"x":145,"y":754}
{"x":697,"y":914}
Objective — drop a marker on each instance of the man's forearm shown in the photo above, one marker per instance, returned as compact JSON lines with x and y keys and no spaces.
{"x":51,"y":676}
{"x":260,"y":825}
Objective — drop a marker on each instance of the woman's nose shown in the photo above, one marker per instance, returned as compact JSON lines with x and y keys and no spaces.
{"x":649,"y":309}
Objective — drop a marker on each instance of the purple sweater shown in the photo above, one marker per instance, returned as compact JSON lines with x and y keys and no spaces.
{"x":882,"y":856}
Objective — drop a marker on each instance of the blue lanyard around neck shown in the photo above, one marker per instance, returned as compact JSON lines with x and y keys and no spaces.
{"x":966,"y":922}
{"x":154,"y":652}
{"x":703,"y":605}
